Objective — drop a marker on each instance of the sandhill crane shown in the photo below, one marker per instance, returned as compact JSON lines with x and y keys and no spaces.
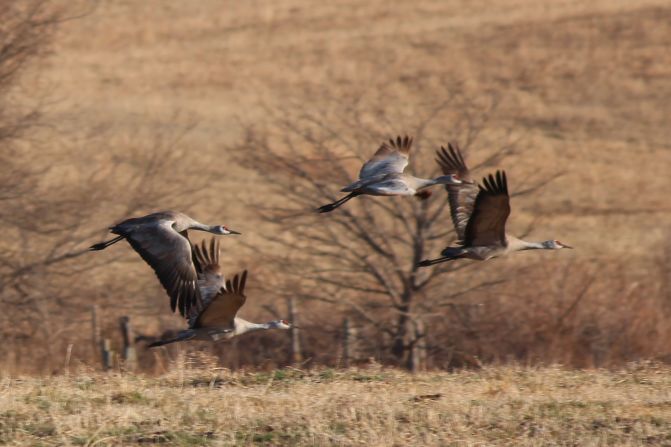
{"x":383,"y":175}
{"x":479,"y":215}
{"x":216,"y":319}
{"x":162,"y":241}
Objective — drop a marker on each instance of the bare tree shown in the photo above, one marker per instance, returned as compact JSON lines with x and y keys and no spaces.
{"x":56,"y":197}
{"x":362,"y":258}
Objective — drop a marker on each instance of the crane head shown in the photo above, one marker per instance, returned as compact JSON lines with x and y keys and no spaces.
{"x":555,"y":245}
{"x":221,"y":229}
{"x":281,"y":324}
{"x":450,"y":179}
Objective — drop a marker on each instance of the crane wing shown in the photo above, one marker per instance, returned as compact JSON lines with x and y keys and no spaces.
{"x":169,"y":254}
{"x":210,"y":277}
{"x":221,"y":311}
{"x":487,"y":225}
{"x":460,"y":197}
{"x":390,"y":158}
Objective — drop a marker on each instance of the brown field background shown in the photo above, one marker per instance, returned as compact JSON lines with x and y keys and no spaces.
{"x":146,"y":106}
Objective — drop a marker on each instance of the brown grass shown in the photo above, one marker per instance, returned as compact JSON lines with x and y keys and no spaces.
{"x":585,"y":86}
{"x":371,"y":406}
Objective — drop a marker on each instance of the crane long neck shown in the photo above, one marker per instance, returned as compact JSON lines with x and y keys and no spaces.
{"x":243,"y":326}
{"x":258,"y":326}
{"x":421,"y":183}
{"x":202,"y":227}
{"x":532,"y":245}
{"x":426,"y":182}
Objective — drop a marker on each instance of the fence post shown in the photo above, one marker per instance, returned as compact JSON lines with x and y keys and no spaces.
{"x":296,"y":353}
{"x":107,"y":354}
{"x":103,"y":346}
{"x":349,"y":348}
{"x":129,"y":355}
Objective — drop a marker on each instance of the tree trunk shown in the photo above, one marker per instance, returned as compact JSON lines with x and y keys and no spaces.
{"x":129,"y":355}
{"x":417,"y":354}
{"x":296,"y":352}
{"x":400,"y":344}
{"x":404,"y":333}
{"x":349,"y":343}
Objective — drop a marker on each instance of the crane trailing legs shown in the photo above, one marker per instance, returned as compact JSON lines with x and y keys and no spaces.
{"x":162,"y":240}
{"x":216,"y":318}
{"x":479,"y":215}
{"x":383,"y":175}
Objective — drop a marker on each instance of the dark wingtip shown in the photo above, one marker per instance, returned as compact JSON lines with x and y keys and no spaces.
{"x":214,"y":250}
{"x":401,"y":142}
{"x":243,"y":282}
{"x":496,"y":183}
{"x":450,"y":159}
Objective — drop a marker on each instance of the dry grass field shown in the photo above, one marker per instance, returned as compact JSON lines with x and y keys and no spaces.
{"x":511,"y":406}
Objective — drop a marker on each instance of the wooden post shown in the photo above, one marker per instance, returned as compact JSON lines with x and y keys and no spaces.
{"x":349,"y":348}
{"x":68,"y":356}
{"x":129,"y":356}
{"x":296,"y":352}
{"x":107,"y":354}
{"x":103,"y":346}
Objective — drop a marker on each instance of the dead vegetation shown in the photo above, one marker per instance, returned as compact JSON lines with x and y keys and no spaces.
{"x":91,"y":135}
{"x":368,"y":406}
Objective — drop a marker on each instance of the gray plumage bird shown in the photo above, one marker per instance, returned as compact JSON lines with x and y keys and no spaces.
{"x":162,"y":240}
{"x":383,"y":175}
{"x":216,"y":318}
{"x":479,"y":215}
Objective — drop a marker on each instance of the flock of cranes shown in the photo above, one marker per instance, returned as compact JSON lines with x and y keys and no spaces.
{"x":192,"y":277}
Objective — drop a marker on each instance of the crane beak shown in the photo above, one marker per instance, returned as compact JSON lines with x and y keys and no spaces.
{"x":566,"y":246}
{"x":233,"y":232}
